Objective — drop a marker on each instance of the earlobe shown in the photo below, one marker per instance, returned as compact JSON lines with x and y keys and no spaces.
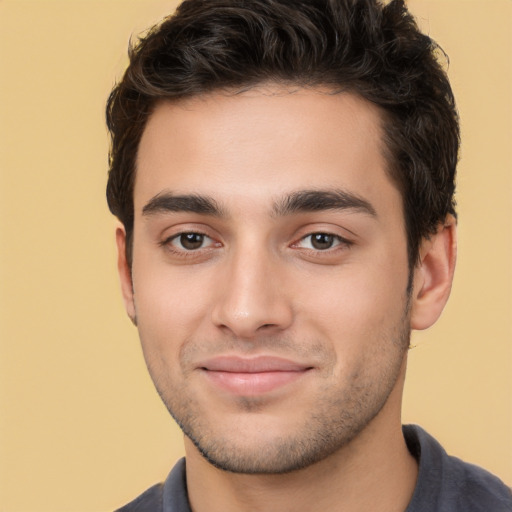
{"x":433,"y":275}
{"x":125,"y":274}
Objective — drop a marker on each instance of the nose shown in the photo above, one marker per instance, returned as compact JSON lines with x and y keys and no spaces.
{"x":252,"y":297}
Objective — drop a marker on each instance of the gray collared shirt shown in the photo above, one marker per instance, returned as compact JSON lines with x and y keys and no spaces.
{"x":445,"y":484}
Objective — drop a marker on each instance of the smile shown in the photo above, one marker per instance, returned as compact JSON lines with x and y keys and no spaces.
{"x":250,"y":377}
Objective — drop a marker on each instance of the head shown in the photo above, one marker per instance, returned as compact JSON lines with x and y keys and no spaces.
{"x":283,"y":171}
{"x":361,"y":46}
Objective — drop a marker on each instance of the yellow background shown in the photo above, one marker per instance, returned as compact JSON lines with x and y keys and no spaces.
{"x":81,"y":428}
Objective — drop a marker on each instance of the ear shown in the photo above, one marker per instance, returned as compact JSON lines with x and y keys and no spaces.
{"x":433,"y":275}
{"x":125,"y":274}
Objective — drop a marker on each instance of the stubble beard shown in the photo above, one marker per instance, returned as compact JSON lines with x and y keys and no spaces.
{"x":330,"y":425}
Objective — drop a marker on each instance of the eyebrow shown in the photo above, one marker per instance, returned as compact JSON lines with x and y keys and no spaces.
{"x":193,"y":203}
{"x":295,"y":202}
{"x":320,"y":200}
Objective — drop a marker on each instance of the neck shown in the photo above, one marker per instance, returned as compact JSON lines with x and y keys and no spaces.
{"x":374,"y":472}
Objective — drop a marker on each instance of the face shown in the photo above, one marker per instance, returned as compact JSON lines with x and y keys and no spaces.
{"x":269,"y":274}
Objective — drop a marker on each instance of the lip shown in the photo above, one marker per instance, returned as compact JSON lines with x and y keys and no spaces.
{"x":252,"y":376}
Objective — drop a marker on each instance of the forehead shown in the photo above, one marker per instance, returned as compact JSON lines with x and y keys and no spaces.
{"x":262,"y":142}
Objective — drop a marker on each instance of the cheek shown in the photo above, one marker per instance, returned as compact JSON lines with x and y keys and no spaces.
{"x":356,"y":304}
{"x":363,"y":322}
{"x":170,"y":306}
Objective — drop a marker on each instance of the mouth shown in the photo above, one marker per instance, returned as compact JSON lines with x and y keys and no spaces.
{"x":252,"y":376}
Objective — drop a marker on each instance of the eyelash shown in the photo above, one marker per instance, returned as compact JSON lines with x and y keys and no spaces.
{"x":340,"y":243}
{"x":167,"y":243}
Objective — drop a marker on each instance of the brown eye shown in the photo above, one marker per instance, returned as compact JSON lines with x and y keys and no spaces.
{"x":322,"y":241}
{"x":191,"y":241}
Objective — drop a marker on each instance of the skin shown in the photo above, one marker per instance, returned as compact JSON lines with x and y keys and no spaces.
{"x":241,"y":275}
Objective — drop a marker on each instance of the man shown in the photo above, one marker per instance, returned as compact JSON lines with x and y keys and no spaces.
{"x":284,"y":175}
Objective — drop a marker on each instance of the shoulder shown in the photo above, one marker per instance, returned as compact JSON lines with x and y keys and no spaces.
{"x":476,"y":489}
{"x":447,"y":484}
{"x":149,"y":501}
{"x":170,"y":496}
